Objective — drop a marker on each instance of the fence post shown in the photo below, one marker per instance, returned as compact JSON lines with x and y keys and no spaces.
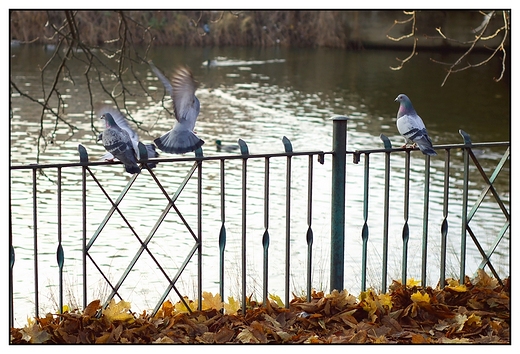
{"x":337,"y":242}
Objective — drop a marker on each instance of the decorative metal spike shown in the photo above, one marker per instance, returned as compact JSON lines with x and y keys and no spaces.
{"x":321,"y":158}
{"x":310,"y":237}
{"x":11,"y":257}
{"x":83,"y":154}
{"x":244,"y":150}
{"x":265,"y":239}
{"x":287,"y":144}
{"x":465,"y":136}
{"x":60,"y":256}
{"x":386,"y":141}
{"x":222,"y":238}
{"x":356,"y":156}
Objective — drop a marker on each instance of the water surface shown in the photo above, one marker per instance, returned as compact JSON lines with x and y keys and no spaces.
{"x":258,"y":95}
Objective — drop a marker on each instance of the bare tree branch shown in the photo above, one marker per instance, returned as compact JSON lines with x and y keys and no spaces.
{"x":412,"y":19}
{"x":98,"y":62}
{"x":479,"y":38}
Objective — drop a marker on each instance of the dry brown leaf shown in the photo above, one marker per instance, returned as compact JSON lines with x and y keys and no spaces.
{"x":92,"y":308}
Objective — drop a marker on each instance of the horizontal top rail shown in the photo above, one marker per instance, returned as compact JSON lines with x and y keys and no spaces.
{"x":175,"y":159}
{"x":446,"y":146}
{"x":247,"y":156}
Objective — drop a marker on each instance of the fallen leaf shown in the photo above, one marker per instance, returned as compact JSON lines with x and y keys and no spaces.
{"x":118,"y":312}
{"x":418,"y":297}
{"x":210,"y":301}
{"x":245,"y":336}
{"x":232,"y":306}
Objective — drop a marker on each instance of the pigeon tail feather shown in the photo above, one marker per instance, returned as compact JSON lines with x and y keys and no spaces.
{"x":132,"y":169}
{"x":425,"y":146}
{"x":150,"y":149}
{"x":179,"y":142}
{"x":427,"y":150}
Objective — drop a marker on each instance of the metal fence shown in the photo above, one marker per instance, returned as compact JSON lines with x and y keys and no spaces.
{"x":339,"y":172}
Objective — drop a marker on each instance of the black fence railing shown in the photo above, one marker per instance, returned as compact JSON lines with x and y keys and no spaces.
{"x":193,"y":225}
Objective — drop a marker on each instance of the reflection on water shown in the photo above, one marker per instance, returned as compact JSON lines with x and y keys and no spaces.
{"x":258,"y":96}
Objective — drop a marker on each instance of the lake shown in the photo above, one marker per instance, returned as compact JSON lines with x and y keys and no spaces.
{"x":257,"y":95}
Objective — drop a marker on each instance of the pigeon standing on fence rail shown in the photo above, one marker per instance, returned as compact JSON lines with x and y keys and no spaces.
{"x":411,"y":126}
{"x":181,"y":139}
{"x":117,"y":142}
{"x":122,"y":123}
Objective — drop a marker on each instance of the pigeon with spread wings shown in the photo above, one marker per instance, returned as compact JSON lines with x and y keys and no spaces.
{"x":181,"y":138}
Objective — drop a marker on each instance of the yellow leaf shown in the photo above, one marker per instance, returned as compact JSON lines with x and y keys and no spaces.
{"x":232,"y":306}
{"x":418,"y":297}
{"x":65,"y":309}
{"x":385,"y":300}
{"x":412,"y":282}
{"x":180,"y":307}
{"x":277,"y":299}
{"x":474,"y":319}
{"x":370,"y":303}
{"x":211,"y":302}
{"x":456,"y":286}
{"x":118,"y":312}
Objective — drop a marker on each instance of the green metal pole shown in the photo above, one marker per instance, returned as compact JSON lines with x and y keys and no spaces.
{"x":337,"y":243}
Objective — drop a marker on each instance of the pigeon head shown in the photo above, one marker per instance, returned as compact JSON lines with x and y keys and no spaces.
{"x":109,"y":120}
{"x":405,"y":105}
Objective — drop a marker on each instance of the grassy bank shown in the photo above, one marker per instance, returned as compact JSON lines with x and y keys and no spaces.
{"x":296,"y":28}
{"x":241,"y":28}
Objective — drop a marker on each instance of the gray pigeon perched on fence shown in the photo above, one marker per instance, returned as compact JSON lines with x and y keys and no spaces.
{"x":122,"y":123}
{"x":117,"y":142}
{"x":411,"y":126}
{"x":181,"y":139}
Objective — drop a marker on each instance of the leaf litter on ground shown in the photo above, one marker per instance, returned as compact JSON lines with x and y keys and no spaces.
{"x":477,"y":311}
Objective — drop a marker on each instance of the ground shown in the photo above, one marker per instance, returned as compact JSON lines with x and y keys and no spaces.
{"x":477,"y":311}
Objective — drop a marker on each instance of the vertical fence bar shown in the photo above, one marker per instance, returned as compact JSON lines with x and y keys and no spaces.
{"x":245,"y":152}
{"x":464,"y":216}
{"x":386,"y":208}
{"x":425,"y":219}
{"x":222,"y":234}
{"x":199,"y":227}
{"x":265,"y":237}
{"x":364,"y":231}
{"x":244,"y":233}
{"x":444,"y":225}
{"x":60,"y":257}
{"x":83,"y":156}
{"x":406,"y":229}
{"x":310,"y":236}
{"x":11,"y":264}
{"x":288,"y":149}
{"x":337,"y":244}
{"x":35,"y":243}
